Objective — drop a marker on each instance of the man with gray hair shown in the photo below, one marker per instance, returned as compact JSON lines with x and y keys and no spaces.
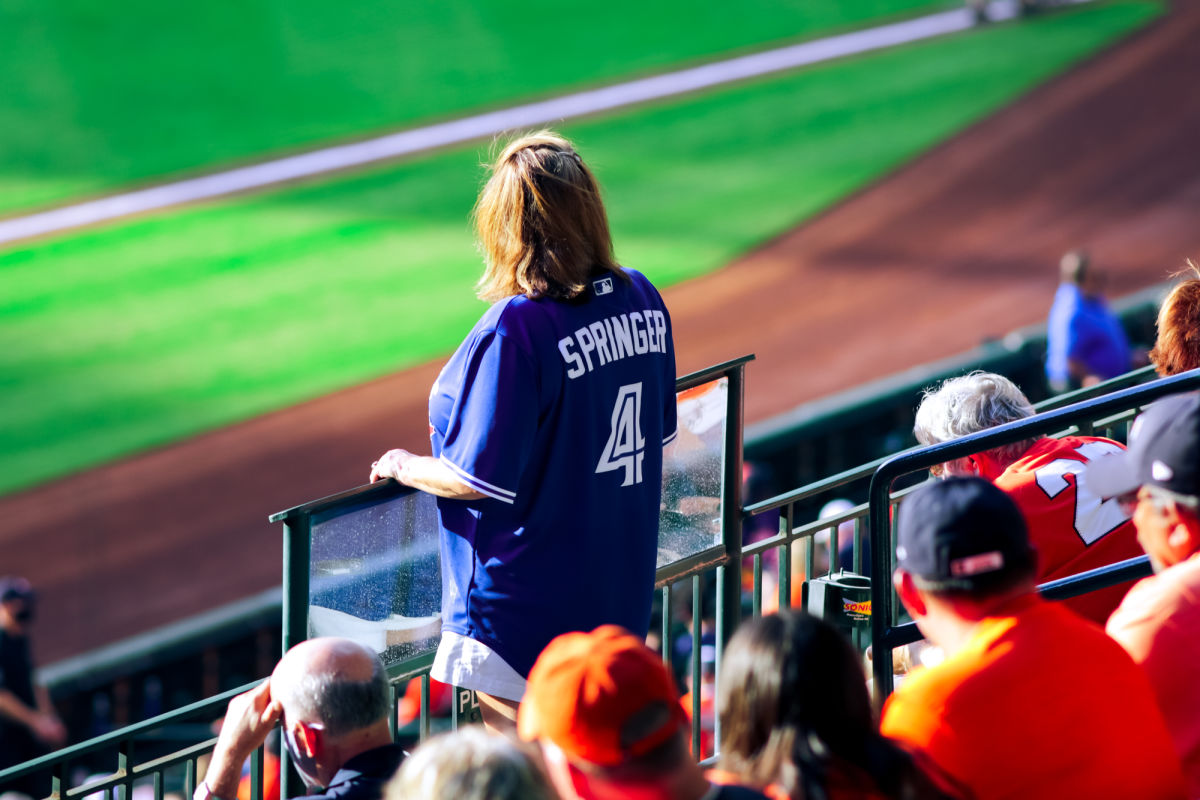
{"x":331,"y":697}
{"x":1073,"y":529}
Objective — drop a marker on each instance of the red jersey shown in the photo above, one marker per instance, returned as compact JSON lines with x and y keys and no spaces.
{"x":1072,"y":529}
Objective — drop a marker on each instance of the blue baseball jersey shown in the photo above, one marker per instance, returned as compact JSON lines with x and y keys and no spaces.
{"x":557,"y":412}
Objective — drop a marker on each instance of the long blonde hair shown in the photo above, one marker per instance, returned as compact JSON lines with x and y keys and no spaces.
{"x":541,"y":223}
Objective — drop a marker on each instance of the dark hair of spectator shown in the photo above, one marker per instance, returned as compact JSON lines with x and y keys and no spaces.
{"x":1177,"y":348}
{"x":793,"y":705}
{"x":541,"y":223}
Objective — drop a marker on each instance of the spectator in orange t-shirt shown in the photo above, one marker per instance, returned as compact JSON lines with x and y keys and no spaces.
{"x":1031,"y":702}
{"x":1072,"y":529}
{"x":1158,"y":623}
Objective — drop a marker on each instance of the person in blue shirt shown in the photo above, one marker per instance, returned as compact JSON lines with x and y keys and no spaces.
{"x":1085,"y":342}
{"x":547,"y":426}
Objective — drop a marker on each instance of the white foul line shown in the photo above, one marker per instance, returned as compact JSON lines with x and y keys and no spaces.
{"x":490,"y":124}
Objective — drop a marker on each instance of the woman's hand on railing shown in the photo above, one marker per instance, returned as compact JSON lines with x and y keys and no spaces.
{"x":422,"y":472}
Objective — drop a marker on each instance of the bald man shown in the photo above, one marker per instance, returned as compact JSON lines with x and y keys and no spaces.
{"x":331,"y":697}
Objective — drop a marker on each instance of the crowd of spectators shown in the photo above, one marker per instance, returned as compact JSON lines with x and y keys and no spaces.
{"x":1095,"y":698}
{"x":1009,"y":706}
{"x":1030,"y":699}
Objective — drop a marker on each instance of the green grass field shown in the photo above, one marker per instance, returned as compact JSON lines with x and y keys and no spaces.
{"x":98,"y":94}
{"x":125,"y":337}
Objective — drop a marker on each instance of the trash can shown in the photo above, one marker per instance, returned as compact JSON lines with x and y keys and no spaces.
{"x":843,"y":599}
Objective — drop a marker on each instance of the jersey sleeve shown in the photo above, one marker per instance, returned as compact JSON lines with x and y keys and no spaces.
{"x":670,"y":426}
{"x":493,"y":419}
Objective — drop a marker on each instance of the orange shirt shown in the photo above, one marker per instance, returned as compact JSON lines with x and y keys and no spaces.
{"x":270,"y":789}
{"x":1158,"y":624}
{"x":1072,"y":529}
{"x":1038,"y":704}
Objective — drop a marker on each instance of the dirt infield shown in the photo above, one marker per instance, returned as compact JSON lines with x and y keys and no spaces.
{"x":955,"y":247}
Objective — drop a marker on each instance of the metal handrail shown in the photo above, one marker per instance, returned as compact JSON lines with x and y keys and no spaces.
{"x":721,"y":563}
{"x":122,"y":740}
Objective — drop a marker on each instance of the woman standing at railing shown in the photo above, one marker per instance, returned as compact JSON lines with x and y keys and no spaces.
{"x":547,"y":427}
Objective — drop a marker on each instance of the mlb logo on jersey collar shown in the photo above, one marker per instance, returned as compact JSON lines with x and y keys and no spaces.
{"x":603,"y":286}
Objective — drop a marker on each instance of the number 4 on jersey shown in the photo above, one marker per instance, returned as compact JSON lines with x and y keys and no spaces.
{"x":626,"y":445}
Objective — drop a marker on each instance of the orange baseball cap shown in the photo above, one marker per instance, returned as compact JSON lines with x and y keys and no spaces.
{"x":601,"y":697}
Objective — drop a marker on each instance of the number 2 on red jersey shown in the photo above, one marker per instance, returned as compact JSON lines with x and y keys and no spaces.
{"x":1093,"y":518}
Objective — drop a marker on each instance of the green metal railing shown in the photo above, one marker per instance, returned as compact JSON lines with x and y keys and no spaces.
{"x":696,"y":566}
{"x":788,"y":558}
{"x":794,"y":532}
{"x":176,"y":770}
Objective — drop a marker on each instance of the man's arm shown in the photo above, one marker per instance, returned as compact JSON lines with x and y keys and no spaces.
{"x":42,"y":722}
{"x":248,"y":720}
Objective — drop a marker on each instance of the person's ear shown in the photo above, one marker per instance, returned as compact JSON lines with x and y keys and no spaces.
{"x":1183,"y":533}
{"x":580,"y":784}
{"x":909,"y":594}
{"x":310,"y":740}
{"x":985,"y":466}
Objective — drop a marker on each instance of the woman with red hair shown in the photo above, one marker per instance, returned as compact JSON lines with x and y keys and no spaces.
{"x":1177,"y":348}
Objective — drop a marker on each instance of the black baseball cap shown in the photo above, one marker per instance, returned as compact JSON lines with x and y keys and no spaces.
{"x":1164,"y":451}
{"x":14,"y":587}
{"x":962,"y":533}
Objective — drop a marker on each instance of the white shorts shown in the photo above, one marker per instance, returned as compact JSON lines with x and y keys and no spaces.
{"x":469,"y":664}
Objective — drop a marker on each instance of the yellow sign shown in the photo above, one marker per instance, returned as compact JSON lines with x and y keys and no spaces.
{"x":862,"y":609}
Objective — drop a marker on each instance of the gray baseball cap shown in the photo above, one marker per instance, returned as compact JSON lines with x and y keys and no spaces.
{"x":1164,"y":451}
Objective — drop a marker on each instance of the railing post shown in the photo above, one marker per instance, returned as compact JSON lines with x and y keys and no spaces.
{"x":425,"y":716}
{"x":297,"y":546}
{"x":58,"y":780}
{"x":729,"y":575}
{"x":730,"y":585}
{"x":879,"y":517}
{"x":256,"y":773}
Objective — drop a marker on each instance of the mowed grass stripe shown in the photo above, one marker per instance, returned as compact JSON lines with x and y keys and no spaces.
{"x":100,"y":94}
{"x":119,"y":339}
{"x":463,"y":130}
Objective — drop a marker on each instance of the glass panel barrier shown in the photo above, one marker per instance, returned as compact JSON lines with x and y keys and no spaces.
{"x":694,"y":474}
{"x":375,"y":575}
